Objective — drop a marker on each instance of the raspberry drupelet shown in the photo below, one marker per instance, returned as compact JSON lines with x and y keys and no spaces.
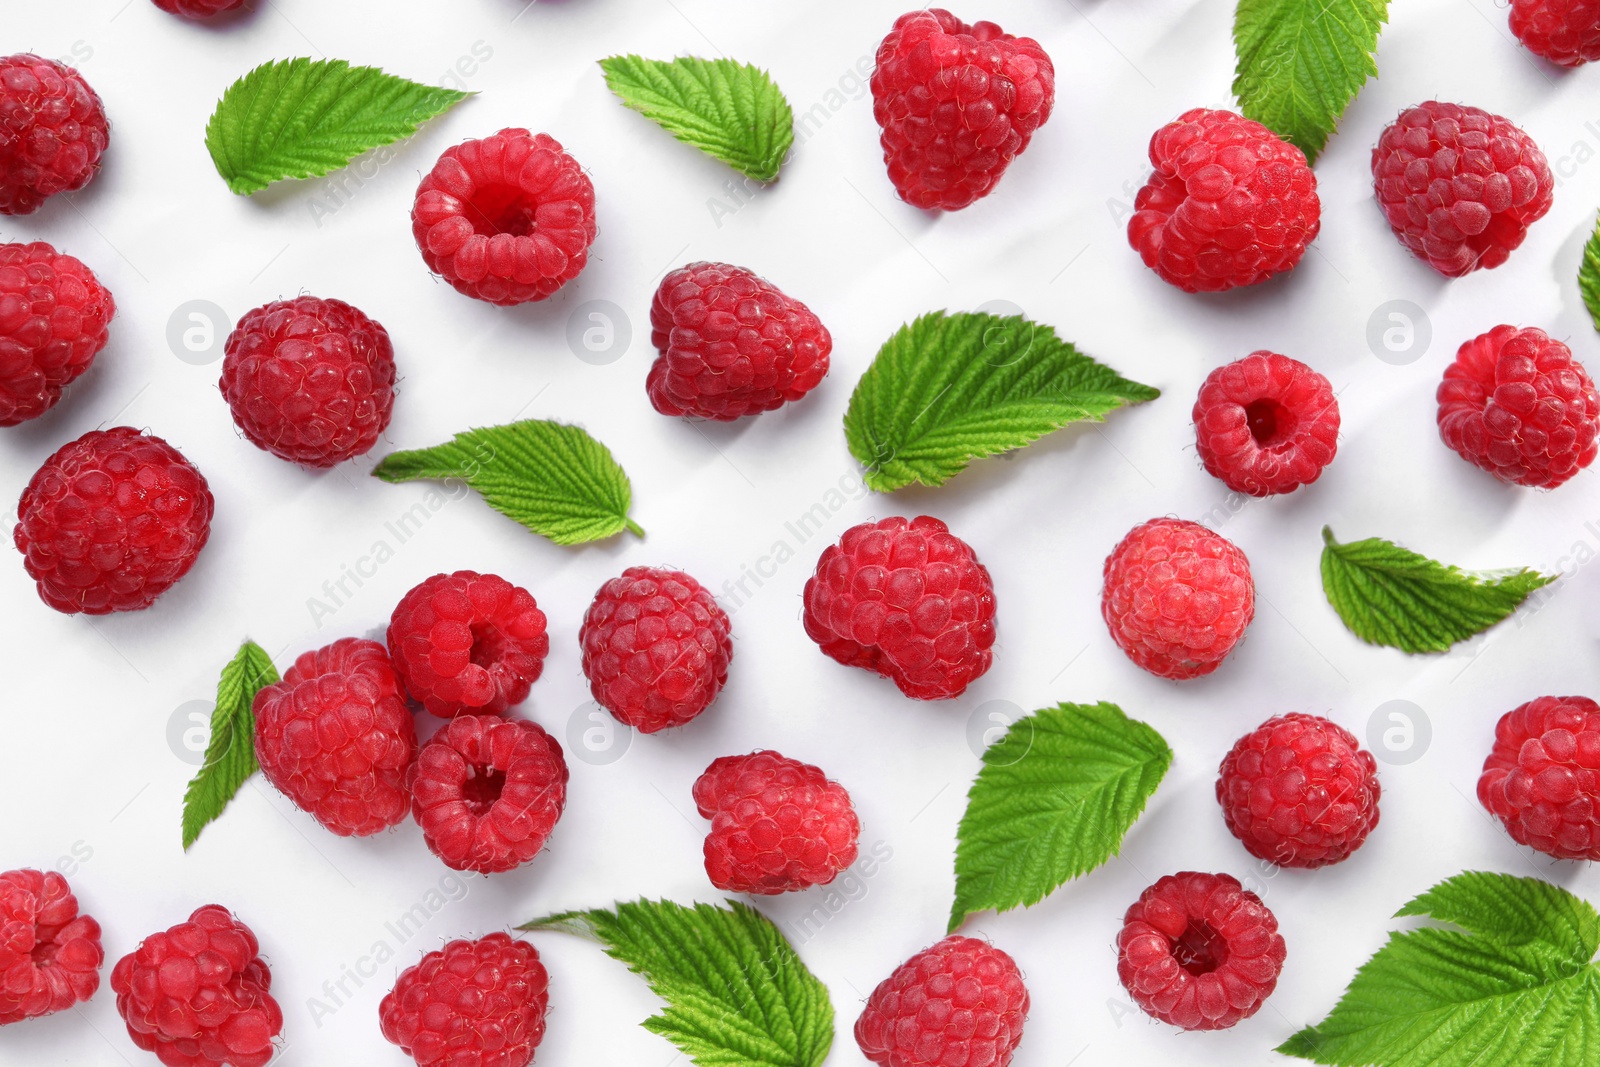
{"x":198,"y":9}
{"x":960,"y":1002}
{"x":1266,"y":424}
{"x":50,"y":953}
{"x":54,"y":319}
{"x":1542,"y":776}
{"x":53,"y":131}
{"x":470,"y":1004}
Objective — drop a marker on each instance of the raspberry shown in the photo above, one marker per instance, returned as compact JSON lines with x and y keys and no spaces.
{"x":1542,"y":777}
{"x":487,"y":792}
{"x":1266,"y":424}
{"x":468,"y":642}
{"x":960,"y":1002}
{"x":1199,"y":951}
{"x":197,"y":995}
{"x":777,"y":825}
{"x":1300,"y":791}
{"x":731,"y":344}
{"x":507,"y":219}
{"x":957,"y":104}
{"x":309,"y":380}
{"x":1177,"y":597}
{"x":1518,"y":405}
{"x":470,"y":1004}
{"x":53,"y":318}
{"x":1459,"y":186}
{"x":112,"y":521}
{"x":198,"y":9}
{"x":53,"y":131}
{"x":335,"y":736}
{"x":1563,"y":31}
{"x":50,"y":955}
{"x":1230,"y":203}
{"x":655,"y":648}
{"x":907,"y":599}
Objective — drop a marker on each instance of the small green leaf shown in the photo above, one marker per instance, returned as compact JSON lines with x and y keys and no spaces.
{"x":1301,"y":62}
{"x":950,"y":388}
{"x":1517,"y":988}
{"x":729,"y":110}
{"x":1589,"y":277}
{"x":736,"y":993}
{"x":554,"y":479}
{"x":299,"y":118}
{"x":231,"y":752}
{"x":1053,"y":801}
{"x":1388,"y":595}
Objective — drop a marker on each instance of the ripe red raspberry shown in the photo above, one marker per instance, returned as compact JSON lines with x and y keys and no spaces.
{"x":1459,"y":186}
{"x":198,"y":9}
{"x":777,"y":825}
{"x":53,"y":131}
{"x":53,"y":318}
{"x":507,"y":219}
{"x":907,"y":599}
{"x":487,"y":792}
{"x":1542,"y":777}
{"x":335,"y":736}
{"x":960,"y":1002}
{"x":957,"y":104}
{"x":1177,"y":597}
{"x":197,"y":995}
{"x":1518,"y":405}
{"x":309,"y":380}
{"x":1299,"y":791}
{"x":112,"y":521}
{"x":1563,"y":31}
{"x":1266,"y":424}
{"x":731,"y":344}
{"x":655,"y":648}
{"x":470,"y":1004}
{"x":468,"y":643}
{"x":1230,"y":203}
{"x":50,"y":955}
{"x":1199,"y":951}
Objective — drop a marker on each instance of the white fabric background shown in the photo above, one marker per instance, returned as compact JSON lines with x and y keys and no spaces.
{"x":96,"y":710}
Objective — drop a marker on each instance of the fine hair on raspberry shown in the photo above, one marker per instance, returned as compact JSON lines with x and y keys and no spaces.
{"x":907,"y":599}
{"x":1230,"y":203}
{"x":1199,"y":951}
{"x":1542,"y":776}
{"x":731,"y":344}
{"x":470,"y":1004}
{"x":960,"y":1002}
{"x":468,"y":643}
{"x":1459,"y":186}
{"x":656,"y":648}
{"x":1566,"y":32}
{"x":1517,"y":404}
{"x":777,"y":824}
{"x":487,"y":792}
{"x":309,"y":380}
{"x":1299,"y":791}
{"x":507,"y":218}
{"x":957,"y":103}
{"x":53,"y":131}
{"x":112,"y":521}
{"x":336,"y":737}
{"x":50,"y":953}
{"x":1266,"y":424}
{"x":54,"y":319}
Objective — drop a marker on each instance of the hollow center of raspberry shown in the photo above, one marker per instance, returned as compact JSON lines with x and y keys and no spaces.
{"x":1270,"y":422}
{"x":488,"y":646}
{"x":482,"y":788}
{"x":1201,"y":949}
{"x":497,"y":209}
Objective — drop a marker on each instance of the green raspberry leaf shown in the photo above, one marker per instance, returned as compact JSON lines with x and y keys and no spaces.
{"x":1388,"y":595}
{"x":1301,"y":62}
{"x":737,"y":994}
{"x":300,"y":118}
{"x":231,"y":752}
{"x":950,"y":388}
{"x":732,"y":111}
{"x":1517,"y":988}
{"x":1589,"y":277}
{"x":1053,"y":801}
{"x":554,"y":479}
